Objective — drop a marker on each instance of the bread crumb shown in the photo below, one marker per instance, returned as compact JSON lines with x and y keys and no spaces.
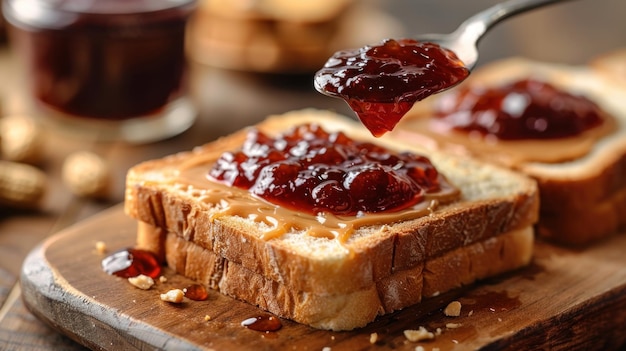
{"x":419,"y":348}
{"x":174,"y":296}
{"x":141,"y":281}
{"x":453,"y":309}
{"x":418,"y":335}
{"x":453,"y":325}
{"x":207,"y":318}
{"x":435,"y":349}
{"x":101,"y":247}
{"x":470,"y":313}
{"x":373,"y":338}
{"x":326,"y":348}
{"x":162,"y":279}
{"x":438,"y":331}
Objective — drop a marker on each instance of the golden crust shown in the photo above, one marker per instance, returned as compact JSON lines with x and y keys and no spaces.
{"x":350,"y":309}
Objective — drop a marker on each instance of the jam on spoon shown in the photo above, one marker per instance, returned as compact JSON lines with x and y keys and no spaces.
{"x":382,"y":82}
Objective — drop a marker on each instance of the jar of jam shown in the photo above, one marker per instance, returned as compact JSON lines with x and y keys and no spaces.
{"x":112,"y":67}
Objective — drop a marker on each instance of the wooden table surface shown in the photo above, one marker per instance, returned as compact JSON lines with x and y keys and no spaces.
{"x":229,"y":100}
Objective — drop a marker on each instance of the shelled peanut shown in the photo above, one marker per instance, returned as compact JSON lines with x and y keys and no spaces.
{"x":20,"y":139}
{"x":86,"y":174}
{"x":21,"y":184}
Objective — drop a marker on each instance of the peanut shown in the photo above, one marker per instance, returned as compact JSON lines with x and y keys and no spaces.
{"x":20,"y":139}
{"x":21,"y":185}
{"x":86,"y":174}
{"x":173,"y":296}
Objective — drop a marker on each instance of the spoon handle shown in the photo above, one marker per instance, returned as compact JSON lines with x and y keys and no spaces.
{"x":476,"y":26}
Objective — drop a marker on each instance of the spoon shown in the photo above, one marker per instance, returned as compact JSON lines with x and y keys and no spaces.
{"x":464,"y":40}
{"x":381,"y":83}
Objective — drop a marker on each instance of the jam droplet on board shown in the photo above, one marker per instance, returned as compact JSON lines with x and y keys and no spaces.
{"x":313,"y":171}
{"x":130,"y":263}
{"x":196,"y":292}
{"x":263,"y":323}
{"x":524,"y":109}
{"x":382,"y":82}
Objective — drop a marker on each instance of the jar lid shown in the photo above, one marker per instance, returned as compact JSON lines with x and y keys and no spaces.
{"x":58,"y":14}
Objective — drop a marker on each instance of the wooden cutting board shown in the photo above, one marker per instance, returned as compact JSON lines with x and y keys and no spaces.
{"x":567,"y":299}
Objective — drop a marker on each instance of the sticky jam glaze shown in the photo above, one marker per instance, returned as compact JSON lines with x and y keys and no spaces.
{"x":313,"y":171}
{"x":382,"y":82}
{"x":263,"y":323}
{"x":524,"y":109}
{"x":130,"y":262}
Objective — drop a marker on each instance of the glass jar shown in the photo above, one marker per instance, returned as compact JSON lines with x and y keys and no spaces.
{"x":115,"y":68}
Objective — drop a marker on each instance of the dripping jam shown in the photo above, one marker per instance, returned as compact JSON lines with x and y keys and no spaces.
{"x":313,"y":171}
{"x":382,"y":82}
{"x":196,"y":292}
{"x":128,"y":263}
{"x":263,"y":323}
{"x":524,"y":109}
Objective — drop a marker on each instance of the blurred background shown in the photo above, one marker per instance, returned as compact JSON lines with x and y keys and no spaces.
{"x":570,"y":32}
{"x":249,"y":59}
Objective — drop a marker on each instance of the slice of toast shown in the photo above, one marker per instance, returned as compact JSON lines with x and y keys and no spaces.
{"x":581,"y":182}
{"x":325,"y":282}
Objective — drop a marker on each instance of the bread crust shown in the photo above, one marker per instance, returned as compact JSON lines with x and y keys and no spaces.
{"x":378,"y":266}
{"x":351,"y":309}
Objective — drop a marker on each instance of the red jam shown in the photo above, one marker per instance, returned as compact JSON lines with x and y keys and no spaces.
{"x":196,"y":292}
{"x":311,"y":170}
{"x":381,"y":83}
{"x":113,"y":59}
{"x":130,"y":263}
{"x":264,"y":323}
{"x":526,"y":109}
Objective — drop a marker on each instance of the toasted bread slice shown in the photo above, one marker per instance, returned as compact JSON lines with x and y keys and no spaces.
{"x":495,"y":214}
{"x":581,"y":182}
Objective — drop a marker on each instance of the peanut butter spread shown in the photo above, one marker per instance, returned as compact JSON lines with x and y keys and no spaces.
{"x":424,"y":130}
{"x":224,"y":200}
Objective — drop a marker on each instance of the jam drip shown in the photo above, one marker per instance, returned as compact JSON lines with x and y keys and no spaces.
{"x":130,"y":263}
{"x":263,"y":323}
{"x":196,"y":292}
{"x":525,"y":109}
{"x":381,"y":83}
{"x":313,"y":171}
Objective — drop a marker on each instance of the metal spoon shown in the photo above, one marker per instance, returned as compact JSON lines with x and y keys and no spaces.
{"x":463,"y":41}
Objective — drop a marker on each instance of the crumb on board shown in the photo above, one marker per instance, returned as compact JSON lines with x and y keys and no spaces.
{"x":453,"y":309}
{"x":174,"y":296}
{"x":142,"y":282}
{"x":453,"y":325}
{"x":418,"y":335}
{"x":207,"y":318}
{"x":101,"y":247}
{"x":373,"y":338}
{"x":162,"y":279}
